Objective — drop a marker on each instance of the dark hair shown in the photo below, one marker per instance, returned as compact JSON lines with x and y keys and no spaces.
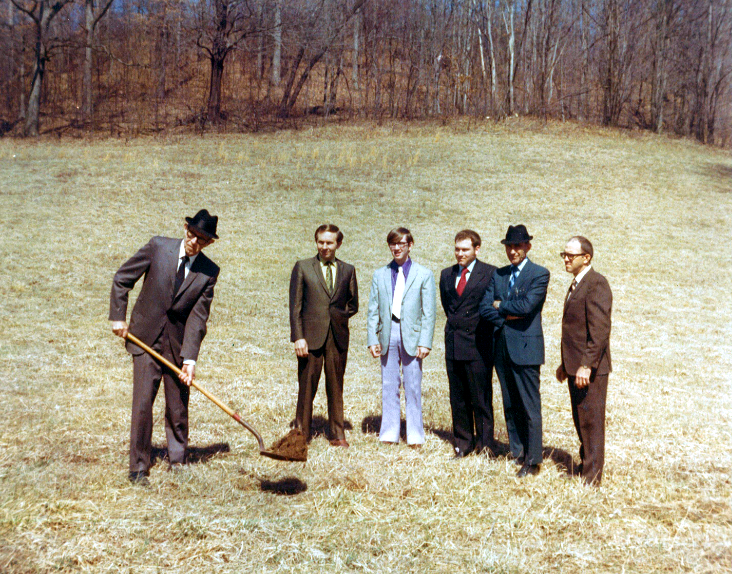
{"x":399,"y":233}
{"x":329,"y":227}
{"x":468,"y":234}
{"x":585,"y":245}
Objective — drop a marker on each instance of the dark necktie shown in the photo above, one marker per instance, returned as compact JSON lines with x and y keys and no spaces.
{"x":462,"y":282}
{"x":181,"y":275}
{"x":571,"y":288}
{"x":329,"y":276}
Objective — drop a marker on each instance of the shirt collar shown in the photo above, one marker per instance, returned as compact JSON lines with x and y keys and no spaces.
{"x":582,"y":273}
{"x":322,"y":263}
{"x":182,"y":254}
{"x":521,"y":265}
{"x":406,"y":266}
{"x":470,"y":267}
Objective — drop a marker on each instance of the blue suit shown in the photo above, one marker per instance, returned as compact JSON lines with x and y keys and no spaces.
{"x":399,"y":341}
{"x":519,"y":352}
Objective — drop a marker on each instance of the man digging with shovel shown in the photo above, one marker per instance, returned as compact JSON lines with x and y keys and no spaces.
{"x":170,"y":316}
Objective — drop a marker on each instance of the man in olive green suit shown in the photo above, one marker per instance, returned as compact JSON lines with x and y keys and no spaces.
{"x":323,"y":296}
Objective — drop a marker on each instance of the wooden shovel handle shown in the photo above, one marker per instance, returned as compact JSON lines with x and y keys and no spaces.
{"x":157,"y":356}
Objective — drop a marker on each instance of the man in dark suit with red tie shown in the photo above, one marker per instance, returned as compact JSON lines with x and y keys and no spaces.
{"x":468,"y":347}
{"x":170,"y":316}
{"x":586,"y":362}
{"x":323,"y":297}
{"x":513,"y":303}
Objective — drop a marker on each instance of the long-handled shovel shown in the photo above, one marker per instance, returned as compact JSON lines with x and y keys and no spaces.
{"x":292,"y":447}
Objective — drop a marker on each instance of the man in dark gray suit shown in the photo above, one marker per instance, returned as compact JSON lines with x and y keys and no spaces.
{"x":513,"y":303}
{"x":170,"y":316}
{"x":323,"y":296}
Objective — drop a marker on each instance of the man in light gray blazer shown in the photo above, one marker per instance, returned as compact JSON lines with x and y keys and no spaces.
{"x":401,"y":322}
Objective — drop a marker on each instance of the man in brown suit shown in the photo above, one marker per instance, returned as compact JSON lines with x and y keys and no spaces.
{"x":323,"y":296}
{"x":586,"y":353}
{"x":170,"y":316}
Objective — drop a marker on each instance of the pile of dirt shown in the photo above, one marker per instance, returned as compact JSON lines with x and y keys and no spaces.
{"x":293,"y":446}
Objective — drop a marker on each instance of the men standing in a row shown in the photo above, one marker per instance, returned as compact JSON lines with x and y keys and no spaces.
{"x":323,"y":296}
{"x":586,"y":353}
{"x":513,"y":303}
{"x":468,"y":347}
{"x":401,"y":323}
{"x":170,"y":316}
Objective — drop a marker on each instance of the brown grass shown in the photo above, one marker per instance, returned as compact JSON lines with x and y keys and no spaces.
{"x":657,"y":210}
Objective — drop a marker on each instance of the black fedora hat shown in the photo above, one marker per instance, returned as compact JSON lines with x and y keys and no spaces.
{"x":204,"y":223}
{"x":517,"y":234}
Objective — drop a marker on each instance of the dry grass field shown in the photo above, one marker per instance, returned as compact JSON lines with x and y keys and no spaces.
{"x":659,"y":212}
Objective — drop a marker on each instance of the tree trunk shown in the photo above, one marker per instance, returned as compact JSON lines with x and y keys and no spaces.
{"x":214,"y":92}
{"x":88,"y":104}
{"x":510,"y":30}
{"x":34,"y":100}
{"x":277,"y":37}
{"x":356,"y":49}
{"x":284,"y":110}
{"x":217,"y":57}
{"x":92,"y":18}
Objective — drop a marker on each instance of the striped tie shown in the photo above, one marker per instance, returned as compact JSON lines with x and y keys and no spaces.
{"x":512,"y":280}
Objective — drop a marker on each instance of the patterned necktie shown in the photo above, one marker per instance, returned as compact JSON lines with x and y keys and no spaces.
{"x":462,"y":282}
{"x":329,"y":276}
{"x":570,"y":290}
{"x":180,"y":275}
{"x":512,"y":280}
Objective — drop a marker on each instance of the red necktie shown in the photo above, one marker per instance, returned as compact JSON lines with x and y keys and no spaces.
{"x":462,"y":282}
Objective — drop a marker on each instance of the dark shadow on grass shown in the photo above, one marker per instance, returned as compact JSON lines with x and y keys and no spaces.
{"x":319,"y":426}
{"x":284,"y":487}
{"x":196,"y":454}
{"x":563,"y":460}
{"x":372,"y":425}
{"x":724,"y":172}
{"x":443,"y":434}
{"x":499,"y":448}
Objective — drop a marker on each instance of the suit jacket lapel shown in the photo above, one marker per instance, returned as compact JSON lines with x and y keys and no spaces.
{"x":319,"y":274}
{"x":522,"y":277}
{"x":174,"y":251}
{"x":386,"y":283}
{"x":192,"y":274}
{"x":410,"y":278}
{"x":473,"y":279}
{"x":581,"y":286}
{"x":340,"y":279}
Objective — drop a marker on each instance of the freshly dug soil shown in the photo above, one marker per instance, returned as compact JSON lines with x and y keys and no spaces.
{"x":293,"y":446}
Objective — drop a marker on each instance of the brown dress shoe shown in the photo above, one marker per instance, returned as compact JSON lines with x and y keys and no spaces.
{"x":339,"y":442}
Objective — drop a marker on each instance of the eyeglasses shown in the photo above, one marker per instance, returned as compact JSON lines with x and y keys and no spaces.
{"x":571,"y":256}
{"x":400,"y":245}
{"x":203,"y":241}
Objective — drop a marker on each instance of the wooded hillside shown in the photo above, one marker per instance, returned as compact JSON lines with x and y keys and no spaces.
{"x":130,"y":66}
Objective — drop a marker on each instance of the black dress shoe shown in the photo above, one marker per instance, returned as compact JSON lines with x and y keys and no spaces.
{"x":528,"y":469}
{"x":139,"y":477}
{"x":461,"y":453}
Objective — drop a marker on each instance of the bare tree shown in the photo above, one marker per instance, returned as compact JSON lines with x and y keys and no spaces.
{"x":318,"y":32}
{"x":42,"y":14}
{"x":94,"y":11}
{"x":277,"y":48}
{"x":220,"y":25}
{"x":617,"y":56}
{"x":508,"y":22}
